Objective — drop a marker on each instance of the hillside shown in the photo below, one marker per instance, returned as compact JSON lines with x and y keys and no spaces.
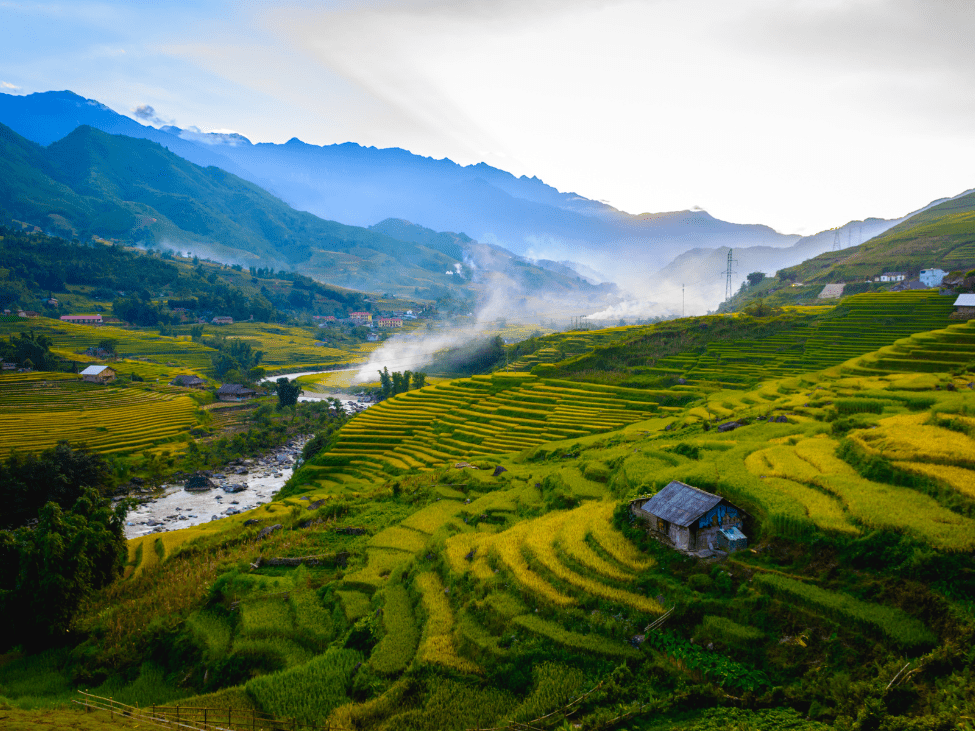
{"x":942,"y":236}
{"x":362,"y":186}
{"x":90,"y":183}
{"x":464,"y":556}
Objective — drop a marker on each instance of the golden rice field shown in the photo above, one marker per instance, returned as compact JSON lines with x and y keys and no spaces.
{"x":39,"y":409}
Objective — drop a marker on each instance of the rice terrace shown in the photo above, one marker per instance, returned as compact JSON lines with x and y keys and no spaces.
{"x":467,"y":555}
{"x":332,"y":435}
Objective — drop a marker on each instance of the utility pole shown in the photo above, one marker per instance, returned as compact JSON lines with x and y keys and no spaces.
{"x":729,"y":272}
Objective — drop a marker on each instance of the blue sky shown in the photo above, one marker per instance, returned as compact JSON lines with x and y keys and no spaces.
{"x":801,"y":114}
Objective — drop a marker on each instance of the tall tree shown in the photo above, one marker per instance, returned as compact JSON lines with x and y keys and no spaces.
{"x":288,"y":392}
{"x":49,"y":568}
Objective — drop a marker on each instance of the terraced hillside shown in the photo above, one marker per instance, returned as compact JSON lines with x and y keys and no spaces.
{"x":72,"y":339}
{"x":483,"y":415}
{"x":806,"y":340}
{"x":397,"y":588}
{"x":39,"y":409}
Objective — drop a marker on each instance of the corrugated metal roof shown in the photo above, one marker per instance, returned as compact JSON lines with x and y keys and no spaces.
{"x":965,"y":300}
{"x":93,"y":370}
{"x":733,"y":534}
{"x":680,"y":504}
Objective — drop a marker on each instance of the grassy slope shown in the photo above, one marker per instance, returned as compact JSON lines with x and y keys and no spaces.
{"x":518,"y":600}
{"x":938,"y":237}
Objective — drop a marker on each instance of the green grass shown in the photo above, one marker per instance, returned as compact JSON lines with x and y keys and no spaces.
{"x":895,"y":624}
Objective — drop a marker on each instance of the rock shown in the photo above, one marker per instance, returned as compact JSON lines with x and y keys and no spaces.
{"x":251,"y":521}
{"x":781,"y":419}
{"x":729,"y":426}
{"x":199,"y":483}
{"x":317,"y":504}
{"x":265,"y":532}
{"x":234,"y":487}
{"x":498,"y":470}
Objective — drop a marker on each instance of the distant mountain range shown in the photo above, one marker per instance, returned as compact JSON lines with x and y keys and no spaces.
{"x":95,"y":184}
{"x":498,"y":217}
{"x":363,"y":185}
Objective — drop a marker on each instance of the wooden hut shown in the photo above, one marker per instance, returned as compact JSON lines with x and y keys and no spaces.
{"x":689,"y":518}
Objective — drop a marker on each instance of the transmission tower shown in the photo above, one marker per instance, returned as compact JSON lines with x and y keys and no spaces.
{"x":728,"y":273}
{"x":836,"y":239}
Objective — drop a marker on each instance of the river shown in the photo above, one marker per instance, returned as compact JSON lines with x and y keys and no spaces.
{"x":239,"y":488}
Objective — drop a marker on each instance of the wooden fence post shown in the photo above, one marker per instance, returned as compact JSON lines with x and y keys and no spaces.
{"x":111,"y":708}
{"x":204,"y":718}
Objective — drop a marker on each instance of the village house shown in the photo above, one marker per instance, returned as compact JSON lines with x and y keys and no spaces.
{"x":891,"y":277}
{"x":82,"y":319}
{"x":360,"y":318}
{"x":964,"y":307}
{"x":30,"y":314}
{"x":235,"y":392}
{"x":691,"y":519}
{"x":98,"y":374}
{"x":390,"y":322}
{"x":222,"y":320}
{"x":932,"y":277}
{"x":4,"y":366}
{"x":188,"y":381}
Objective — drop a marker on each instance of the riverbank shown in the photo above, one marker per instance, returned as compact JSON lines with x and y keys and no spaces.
{"x":239,"y":486}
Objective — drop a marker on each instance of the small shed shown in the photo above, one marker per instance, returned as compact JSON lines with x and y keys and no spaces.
{"x":687,"y":517}
{"x":964,"y":307}
{"x":188,"y":381}
{"x":730,"y":539}
{"x":98,"y":374}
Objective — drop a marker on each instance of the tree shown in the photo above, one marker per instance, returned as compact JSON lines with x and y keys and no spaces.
{"x":385,"y":383}
{"x":288,"y":392}
{"x":419,"y":379}
{"x":59,"y":474}
{"x":755,"y":278}
{"x":397,"y":378}
{"x":108,"y":344}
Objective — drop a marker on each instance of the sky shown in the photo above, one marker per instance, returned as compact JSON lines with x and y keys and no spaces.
{"x":799,"y":114}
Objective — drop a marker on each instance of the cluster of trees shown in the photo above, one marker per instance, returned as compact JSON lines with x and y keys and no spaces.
{"x":30,"y":350}
{"x":61,"y":539}
{"x":392,"y":384}
{"x":237,"y":361}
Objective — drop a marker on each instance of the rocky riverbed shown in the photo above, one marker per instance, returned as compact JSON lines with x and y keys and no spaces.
{"x":239,"y":486}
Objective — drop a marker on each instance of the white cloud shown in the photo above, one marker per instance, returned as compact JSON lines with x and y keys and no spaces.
{"x":8,"y":85}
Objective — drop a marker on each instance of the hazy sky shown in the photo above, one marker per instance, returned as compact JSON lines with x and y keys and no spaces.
{"x":801,"y":114}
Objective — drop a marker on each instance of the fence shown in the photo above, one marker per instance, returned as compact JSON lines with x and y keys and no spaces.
{"x":199,"y":719}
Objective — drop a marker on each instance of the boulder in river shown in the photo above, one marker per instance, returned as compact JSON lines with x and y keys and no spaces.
{"x":198,"y":483}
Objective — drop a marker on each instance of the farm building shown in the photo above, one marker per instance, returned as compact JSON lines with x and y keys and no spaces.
{"x":82,"y":319}
{"x":188,"y":381}
{"x":235,"y":392}
{"x":964,"y":307}
{"x":390,"y":322}
{"x":891,"y":277}
{"x":691,"y":519}
{"x":222,"y":320}
{"x":98,"y":374}
{"x":360,"y":317}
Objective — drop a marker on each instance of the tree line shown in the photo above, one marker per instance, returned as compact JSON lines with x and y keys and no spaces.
{"x":395,"y":383}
